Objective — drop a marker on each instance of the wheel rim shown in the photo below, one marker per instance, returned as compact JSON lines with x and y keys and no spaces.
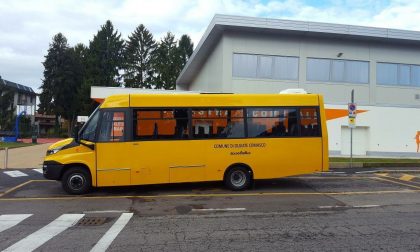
{"x":76,"y":182}
{"x":238,"y":178}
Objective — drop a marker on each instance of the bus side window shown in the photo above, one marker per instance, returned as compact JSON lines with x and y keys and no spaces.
{"x":161,"y":124}
{"x":271,"y":122}
{"x":309,"y":122}
{"x":112,"y":127}
{"x":218,"y":123}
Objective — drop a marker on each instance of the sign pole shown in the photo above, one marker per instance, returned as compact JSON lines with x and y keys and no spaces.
{"x":351,"y":134}
{"x":6,"y":157}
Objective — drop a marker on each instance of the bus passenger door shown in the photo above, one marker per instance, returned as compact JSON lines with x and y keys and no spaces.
{"x":186,"y":161}
{"x":161,"y":150}
{"x":113,"y":166}
{"x":148,"y":163}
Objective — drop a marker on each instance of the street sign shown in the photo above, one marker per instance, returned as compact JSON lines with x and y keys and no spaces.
{"x":352,"y":109}
{"x":352,"y":122}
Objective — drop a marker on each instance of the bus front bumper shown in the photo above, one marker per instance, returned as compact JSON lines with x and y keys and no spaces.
{"x":52,"y":170}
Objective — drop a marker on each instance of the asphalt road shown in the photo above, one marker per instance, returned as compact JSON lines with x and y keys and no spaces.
{"x":321,"y":212}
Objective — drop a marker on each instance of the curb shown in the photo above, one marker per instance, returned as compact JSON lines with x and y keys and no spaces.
{"x":344,"y":165}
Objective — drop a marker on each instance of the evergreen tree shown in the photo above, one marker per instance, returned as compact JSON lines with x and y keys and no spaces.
{"x":105,"y":57}
{"x":185,"y":49}
{"x":6,"y":106}
{"x":165,"y":62}
{"x":138,"y":58}
{"x":62,"y":79}
{"x":52,"y":69}
{"x":86,"y":104}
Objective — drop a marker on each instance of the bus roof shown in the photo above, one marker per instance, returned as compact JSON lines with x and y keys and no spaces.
{"x":206,"y":100}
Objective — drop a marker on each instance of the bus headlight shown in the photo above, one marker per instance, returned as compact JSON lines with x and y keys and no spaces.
{"x":53,"y":151}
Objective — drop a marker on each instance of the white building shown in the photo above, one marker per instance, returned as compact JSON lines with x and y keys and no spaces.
{"x":24,"y":98}
{"x":259,"y":55}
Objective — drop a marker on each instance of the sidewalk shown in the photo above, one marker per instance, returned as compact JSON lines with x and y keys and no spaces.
{"x":25,"y":157}
{"x":40,"y":140}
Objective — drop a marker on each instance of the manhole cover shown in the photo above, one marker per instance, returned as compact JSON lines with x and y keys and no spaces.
{"x":92,"y":221}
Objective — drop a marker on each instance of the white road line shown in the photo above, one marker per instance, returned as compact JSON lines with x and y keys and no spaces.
{"x":331,"y":172}
{"x":9,"y":220}
{"x":15,"y":174}
{"x":38,"y":170}
{"x":323,"y":207}
{"x":35,"y":240}
{"x":360,"y":206}
{"x":218,"y":209}
{"x":366,"y":206}
{"x":363,"y":172}
{"x":112,"y":233}
{"x":105,"y":211}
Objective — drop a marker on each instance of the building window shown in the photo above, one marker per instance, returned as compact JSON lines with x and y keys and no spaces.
{"x":398,"y":74}
{"x":265,"y":66}
{"x":332,"y":70}
{"x":318,"y":69}
{"x":286,"y":68}
{"x":245,"y":65}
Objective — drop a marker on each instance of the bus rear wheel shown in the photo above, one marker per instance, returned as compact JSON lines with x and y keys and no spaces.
{"x":76,"y":180}
{"x":238,"y":178}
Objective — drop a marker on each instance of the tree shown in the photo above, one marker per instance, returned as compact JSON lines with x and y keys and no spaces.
{"x":138,"y":54}
{"x":170,"y":58}
{"x":6,"y":106}
{"x":165,"y":60}
{"x":52,"y":66}
{"x":85,"y":104}
{"x":105,"y":57}
{"x":62,"y":79}
{"x":68,"y":98}
{"x":185,"y":49}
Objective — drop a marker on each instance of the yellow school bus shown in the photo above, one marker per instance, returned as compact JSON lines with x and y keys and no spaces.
{"x":139,"y":139}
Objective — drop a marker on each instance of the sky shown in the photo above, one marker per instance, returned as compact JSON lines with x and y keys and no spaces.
{"x":27,"y":26}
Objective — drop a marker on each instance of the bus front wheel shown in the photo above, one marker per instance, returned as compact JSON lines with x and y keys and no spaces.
{"x":76,"y":180}
{"x":238,"y":178}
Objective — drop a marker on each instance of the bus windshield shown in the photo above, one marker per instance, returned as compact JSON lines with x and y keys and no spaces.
{"x":89,"y":129}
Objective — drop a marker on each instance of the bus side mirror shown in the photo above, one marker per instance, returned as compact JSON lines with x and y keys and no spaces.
{"x":76,"y":133}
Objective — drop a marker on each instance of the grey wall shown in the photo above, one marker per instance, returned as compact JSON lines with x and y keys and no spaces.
{"x":216,"y":73}
{"x":209,"y":78}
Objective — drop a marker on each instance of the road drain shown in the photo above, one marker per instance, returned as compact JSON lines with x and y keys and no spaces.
{"x":92,"y":221}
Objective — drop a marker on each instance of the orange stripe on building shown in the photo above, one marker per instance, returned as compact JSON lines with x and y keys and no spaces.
{"x":338,"y":113}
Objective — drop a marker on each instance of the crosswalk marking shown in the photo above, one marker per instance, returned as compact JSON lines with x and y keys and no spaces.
{"x":38,"y":170}
{"x":15,"y":174}
{"x":112,"y":233}
{"x":36,"y":239}
{"x":9,"y":220}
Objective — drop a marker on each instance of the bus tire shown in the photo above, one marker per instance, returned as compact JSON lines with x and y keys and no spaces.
{"x":76,"y":180}
{"x":238,"y":178}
